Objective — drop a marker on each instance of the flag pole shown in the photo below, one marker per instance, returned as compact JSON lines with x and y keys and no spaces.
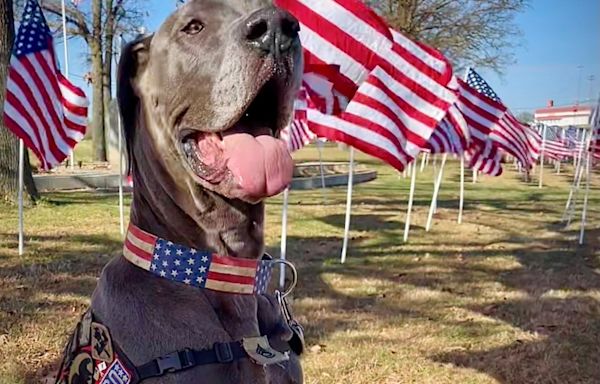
{"x":20,"y":194}
{"x":283,"y":246}
{"x":348,"y":206}
{"x":436,"y":191}
{"x":321,"y":169}
{"x":588,"y":167}
{"x":461,"y":202}
{"x":570,"y":206}
{"x":120,"y":146}
{"x":541,"y":184}
{"x":413,"y":180}
{"x":66,"y":50}
{"x":423,"y":160}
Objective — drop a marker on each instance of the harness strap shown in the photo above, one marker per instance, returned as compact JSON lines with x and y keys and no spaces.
{"x":221,"y":353}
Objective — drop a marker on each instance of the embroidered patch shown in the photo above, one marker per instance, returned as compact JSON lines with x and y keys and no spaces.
{"x":116,"y":374}
{"x":260,"y":351}
{"x":81,"y":371}
{"x":102,"y":348}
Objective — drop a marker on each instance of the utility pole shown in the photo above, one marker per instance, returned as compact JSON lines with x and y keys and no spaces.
{"x":579,"y":68}
{"x":591,"y":79}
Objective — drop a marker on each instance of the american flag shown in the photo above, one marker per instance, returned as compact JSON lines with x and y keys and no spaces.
{"x":397,"y":89}
{"x":42,"y":107}
{"x":507,"y":132}
{"x":451,"y":135}
{"x":486,"y":159}
{"x":554,"y":144}
{"x":595,"y":125}
{"x":189,"y":266}
{"x":297,"y":134}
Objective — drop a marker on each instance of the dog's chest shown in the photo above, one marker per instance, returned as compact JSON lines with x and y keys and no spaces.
{"x":148,"y":318}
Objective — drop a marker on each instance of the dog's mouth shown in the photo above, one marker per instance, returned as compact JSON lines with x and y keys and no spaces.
{"x":247,"y":157}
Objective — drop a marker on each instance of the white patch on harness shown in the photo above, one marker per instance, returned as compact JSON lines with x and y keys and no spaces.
{"x":262,"y":353}
{"x":116,"y":374}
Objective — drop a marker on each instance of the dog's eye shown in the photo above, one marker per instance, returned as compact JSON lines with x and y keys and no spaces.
{"x":194,"y":27}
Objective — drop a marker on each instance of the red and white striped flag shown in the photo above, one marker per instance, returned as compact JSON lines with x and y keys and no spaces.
{"x":451,"y":135}
{"x":397,"y":89}
{"x":554,"y":145}
{"x":485,"y":158}
{"x":297,"y":134}
{"x":42,"y":107}
{"x":494,"y":118}
{"x":595,"y":125}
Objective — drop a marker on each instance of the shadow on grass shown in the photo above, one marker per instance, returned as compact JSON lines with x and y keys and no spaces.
{"x":556,"y":277}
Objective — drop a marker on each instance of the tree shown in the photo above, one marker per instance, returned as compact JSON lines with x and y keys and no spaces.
{"x":9,"y":144}
{"x":525,"y":117}
{"x":98,"y":27}
{"x":478,"y":33}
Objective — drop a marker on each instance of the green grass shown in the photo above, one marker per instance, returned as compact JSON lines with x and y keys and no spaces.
{"x":507,"y":297}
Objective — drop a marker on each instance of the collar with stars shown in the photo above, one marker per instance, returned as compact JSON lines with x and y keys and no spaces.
{"x":202,"y":269}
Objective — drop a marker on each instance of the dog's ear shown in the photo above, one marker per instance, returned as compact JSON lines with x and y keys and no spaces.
{"x":134,"y":59}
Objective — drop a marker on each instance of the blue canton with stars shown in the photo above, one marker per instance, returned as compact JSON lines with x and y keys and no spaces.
{"x":189,"y":266}
{"x":263,"y":276}
{"x":480,"y":85}
{"x":179,"y":263}
{"x":34,"y":34}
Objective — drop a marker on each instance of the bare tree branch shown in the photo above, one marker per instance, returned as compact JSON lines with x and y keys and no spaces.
{"x":469,"y":32}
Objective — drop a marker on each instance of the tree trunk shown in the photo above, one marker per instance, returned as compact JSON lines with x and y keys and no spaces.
{"x":109,"y":32}
{"x":9,"y":144}
{"x":98,"y":127}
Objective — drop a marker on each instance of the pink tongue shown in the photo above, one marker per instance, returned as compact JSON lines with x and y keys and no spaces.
{"x":262,"y":165}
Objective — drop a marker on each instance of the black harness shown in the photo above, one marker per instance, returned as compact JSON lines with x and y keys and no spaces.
{"x":93,"y":357}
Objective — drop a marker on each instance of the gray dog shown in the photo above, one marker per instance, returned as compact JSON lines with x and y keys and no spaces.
{"x":202,"y":102}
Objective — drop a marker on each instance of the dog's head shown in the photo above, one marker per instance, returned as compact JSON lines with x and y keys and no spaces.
{"x":207,"y":95}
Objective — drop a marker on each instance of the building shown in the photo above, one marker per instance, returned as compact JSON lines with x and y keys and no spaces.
{"x":564,"y":116}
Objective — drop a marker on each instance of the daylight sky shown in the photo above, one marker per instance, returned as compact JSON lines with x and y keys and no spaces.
{"x":559,"y":51}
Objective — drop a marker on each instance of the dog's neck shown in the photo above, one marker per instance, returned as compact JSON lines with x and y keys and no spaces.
{"x":180,"y":211}
{"x":172,"y":206}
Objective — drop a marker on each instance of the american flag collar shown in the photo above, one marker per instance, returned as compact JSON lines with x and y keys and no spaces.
{"x":201,"y":269}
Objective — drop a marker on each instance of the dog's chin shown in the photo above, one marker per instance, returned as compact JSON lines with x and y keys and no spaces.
{"x":245,"y":161}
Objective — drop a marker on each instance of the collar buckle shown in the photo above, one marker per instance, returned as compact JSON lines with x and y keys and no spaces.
{"x":175,"y":361}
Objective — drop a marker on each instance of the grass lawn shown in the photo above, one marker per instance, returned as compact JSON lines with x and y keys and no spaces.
{"x":507,"y":297}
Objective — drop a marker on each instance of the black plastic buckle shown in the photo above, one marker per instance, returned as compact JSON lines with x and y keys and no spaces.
{"x":223,"y":352}
{"x":175,"y":361}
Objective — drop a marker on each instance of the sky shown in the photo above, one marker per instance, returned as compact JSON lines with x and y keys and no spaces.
{"x":558,"y":52}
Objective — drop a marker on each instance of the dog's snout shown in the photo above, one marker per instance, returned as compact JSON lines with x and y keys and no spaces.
{"x":272,"y":30}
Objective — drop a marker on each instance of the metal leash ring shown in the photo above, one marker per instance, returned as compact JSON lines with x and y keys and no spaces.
{"x":294,"y":275}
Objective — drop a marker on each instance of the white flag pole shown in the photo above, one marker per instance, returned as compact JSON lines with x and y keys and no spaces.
{"x":321,"y":168}
{"x":348,"y":206}
{"x":436,"y":191}
{"x":283,"y":246}
{"x":461,"y":202}
{"x":423,"y":160}
{"x":411,"y":195}
{"x":541,"y":184}
{"x":66,"y":49}
{"x":588,"y":167}
{"x":571,"y":201}
{"x":20,"y":194}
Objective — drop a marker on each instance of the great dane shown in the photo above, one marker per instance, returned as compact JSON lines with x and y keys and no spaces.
{"x":202,"y":102}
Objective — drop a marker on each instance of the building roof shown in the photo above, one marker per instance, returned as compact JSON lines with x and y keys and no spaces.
{"x":564,"y":109}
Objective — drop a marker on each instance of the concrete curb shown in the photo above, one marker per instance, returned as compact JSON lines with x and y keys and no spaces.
{"x":90,"y":180}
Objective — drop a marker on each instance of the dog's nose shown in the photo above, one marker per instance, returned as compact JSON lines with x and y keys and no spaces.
{"x":272,"y":30}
